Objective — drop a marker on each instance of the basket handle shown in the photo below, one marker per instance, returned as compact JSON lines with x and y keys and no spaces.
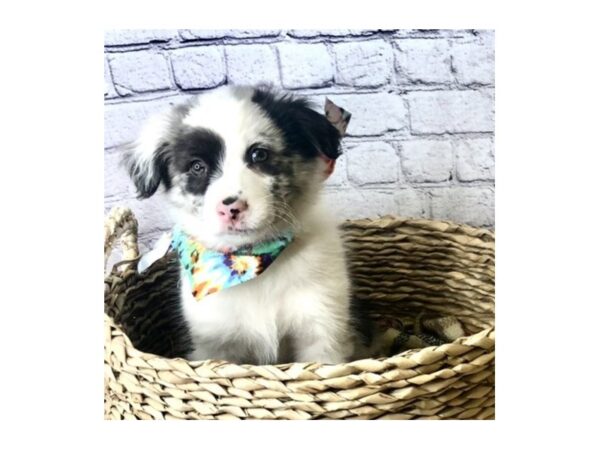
{"x":121,"y":223}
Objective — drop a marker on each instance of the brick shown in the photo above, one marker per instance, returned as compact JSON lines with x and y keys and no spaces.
{"x":109,"y":89}
{"x":360,"y":203}
{"x":117,"y":184}
{"x":252,"y":64}
{"x":198,"y":67}
{"x":471,"y":205}
{"x":433,"y":34}
{"x":475,"y":159}
{"x":372,"y":163}
{"x":252,"y":33}
{"x":188,"y":35}
{"x":484,"y":35}
{"x":473,"y":62}
{"x":412,"y":203}
{"x":426,"y":161}
{"x":139,"y":71}
{"x":372,"y":114}
{"x":305,"y":65}
{"x":424,"y":61}
{"x":129,"y":37}
{"x":335,"y":33}
{"x":365,"y":63}
{"x":122,"y":121}
{"x":439,"y":112}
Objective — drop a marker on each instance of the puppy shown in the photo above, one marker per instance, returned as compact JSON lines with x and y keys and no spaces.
{"x":242,"y":170}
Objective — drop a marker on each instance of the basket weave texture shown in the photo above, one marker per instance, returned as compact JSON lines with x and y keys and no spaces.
{"x":401,"y":267}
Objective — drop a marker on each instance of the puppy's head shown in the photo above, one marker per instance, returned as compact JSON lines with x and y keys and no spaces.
{"x":238,"y":164}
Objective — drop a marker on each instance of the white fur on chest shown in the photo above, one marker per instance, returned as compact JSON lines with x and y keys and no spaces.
{"x":298,"y":309}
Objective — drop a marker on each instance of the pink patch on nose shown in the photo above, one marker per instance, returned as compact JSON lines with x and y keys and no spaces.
{"x":232,"y":213}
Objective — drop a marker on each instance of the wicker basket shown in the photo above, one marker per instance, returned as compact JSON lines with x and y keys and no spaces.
{"x":401,"y":267}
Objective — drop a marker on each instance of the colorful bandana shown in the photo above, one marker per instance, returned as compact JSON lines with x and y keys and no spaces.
{"x":211,"y":271}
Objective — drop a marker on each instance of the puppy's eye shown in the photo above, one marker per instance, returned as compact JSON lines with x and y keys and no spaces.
{"x":198,"y":167}
{"x":259,"y":155}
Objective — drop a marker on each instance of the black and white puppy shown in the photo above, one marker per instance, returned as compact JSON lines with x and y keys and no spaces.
{"x":241,"y":165}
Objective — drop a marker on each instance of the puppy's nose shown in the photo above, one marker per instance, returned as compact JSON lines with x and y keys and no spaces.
{"x":229,"y":200}
{"x":231,"y":209}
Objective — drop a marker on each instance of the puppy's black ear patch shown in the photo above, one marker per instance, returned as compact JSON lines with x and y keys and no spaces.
{"x":306,"y":131}
{"x":147,"y":175}
{"x":320,"y":132}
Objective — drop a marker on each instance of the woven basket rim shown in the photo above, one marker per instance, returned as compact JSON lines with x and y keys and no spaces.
{"x":388,"y":220}
{"x":484,"y":339}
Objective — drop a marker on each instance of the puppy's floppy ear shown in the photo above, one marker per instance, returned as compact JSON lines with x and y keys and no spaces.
{"x":146,"y":171}
{"x":323,"y":132}
{"x":306,"y":130}
{"x":337,"y":116}
{"x":147,"y":158}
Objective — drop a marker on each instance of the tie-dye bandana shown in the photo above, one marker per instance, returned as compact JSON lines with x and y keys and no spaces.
{"x":211,"y":271}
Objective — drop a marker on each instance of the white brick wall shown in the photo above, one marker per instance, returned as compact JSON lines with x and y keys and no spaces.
{"x":421,"y":139}
{"x":140,"y":71}
{"x":305,"y":65}
{"x":198,"y":67}
{"x":426,"y":161}
{"x":363,"y":63}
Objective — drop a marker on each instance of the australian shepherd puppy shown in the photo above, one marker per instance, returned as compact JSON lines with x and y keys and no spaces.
{"x":239,"y":167}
